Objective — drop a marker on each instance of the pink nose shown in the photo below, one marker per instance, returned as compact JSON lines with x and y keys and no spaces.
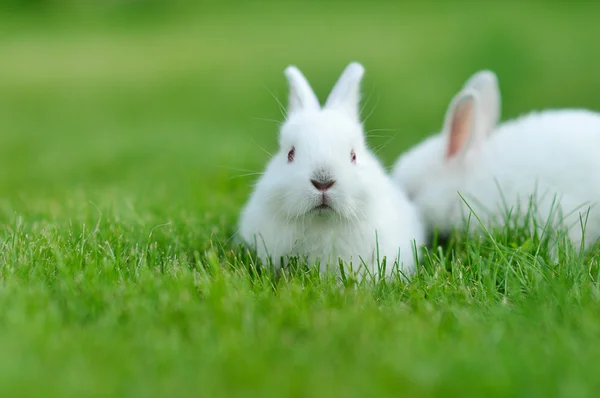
{"x":322,"y":185}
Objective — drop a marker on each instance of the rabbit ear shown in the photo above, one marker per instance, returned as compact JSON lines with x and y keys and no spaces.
{"x":302,"y":97}
{"x":461,"y":123}
{"x":345,"y":95}
{"x":485,"y":83}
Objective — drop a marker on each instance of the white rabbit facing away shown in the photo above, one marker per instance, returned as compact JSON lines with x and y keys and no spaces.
{"x":324,"y":196}
{"x":549,"y":157}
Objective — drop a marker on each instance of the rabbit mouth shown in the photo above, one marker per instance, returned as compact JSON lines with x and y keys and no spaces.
{"x":324,"y":205}
{"x":322,"y":210}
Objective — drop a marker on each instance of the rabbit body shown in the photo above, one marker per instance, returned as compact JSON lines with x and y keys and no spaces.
{"x":543,"y":161}
{"x":542,"y":156}
{"x":324,"y":196}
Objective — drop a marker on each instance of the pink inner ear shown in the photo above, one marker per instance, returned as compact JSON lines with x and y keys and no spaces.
{"x":461,"y":126}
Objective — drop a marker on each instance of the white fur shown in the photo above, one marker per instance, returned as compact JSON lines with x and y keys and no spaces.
{"x":550,"y":155}
{"x":280,"y":219}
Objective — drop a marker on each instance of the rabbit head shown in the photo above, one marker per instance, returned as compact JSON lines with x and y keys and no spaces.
{"x":471,"y":116}
{"x":322,"y":166}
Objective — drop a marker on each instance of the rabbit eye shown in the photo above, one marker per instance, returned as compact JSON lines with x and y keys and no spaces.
{"x":353,"y":156}
{"x":291,"y":154}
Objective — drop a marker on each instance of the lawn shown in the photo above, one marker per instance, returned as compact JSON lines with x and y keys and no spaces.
{"x":128,"y":141}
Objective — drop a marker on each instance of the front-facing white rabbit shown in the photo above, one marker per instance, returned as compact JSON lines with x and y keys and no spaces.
{"x":324,"y":196}
{"x":549,"y":157}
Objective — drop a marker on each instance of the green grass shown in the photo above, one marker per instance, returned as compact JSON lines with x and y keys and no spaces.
{"x":124,"y":141}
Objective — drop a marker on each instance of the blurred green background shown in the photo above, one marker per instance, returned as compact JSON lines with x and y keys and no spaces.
{"x":169,"y":96}
{"x":127,"y":130}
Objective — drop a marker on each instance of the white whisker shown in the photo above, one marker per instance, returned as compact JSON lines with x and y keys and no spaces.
{"x":246,"y":175}
{"x":262,"y":119}
{"x":237,"y":169}
{"x":372,"y":110}
{"x":365,"y":103}
{"x":281,"y":107}
{"x":386,"y":143}
{"x":263,"y":149}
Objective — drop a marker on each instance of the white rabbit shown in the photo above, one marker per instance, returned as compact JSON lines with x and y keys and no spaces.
{"x":549,"y":157}
{"x":324,"y":196}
